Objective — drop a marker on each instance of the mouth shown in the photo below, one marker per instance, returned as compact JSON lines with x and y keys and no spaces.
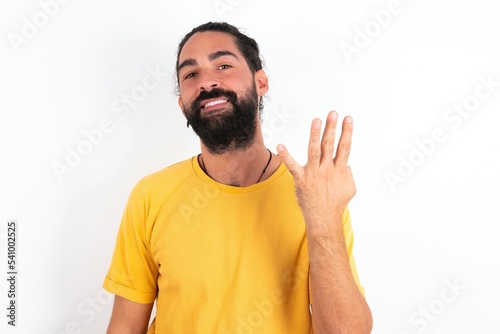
{"x":213,"y":104}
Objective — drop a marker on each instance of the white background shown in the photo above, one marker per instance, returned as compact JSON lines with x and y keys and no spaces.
{"x":436,"y":226}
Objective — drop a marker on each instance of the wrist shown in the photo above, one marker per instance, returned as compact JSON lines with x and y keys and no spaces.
{"x":325,"y":228}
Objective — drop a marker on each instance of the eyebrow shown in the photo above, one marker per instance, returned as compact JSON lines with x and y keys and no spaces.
{"x":211,"y":57}
{"x":219,"y":54}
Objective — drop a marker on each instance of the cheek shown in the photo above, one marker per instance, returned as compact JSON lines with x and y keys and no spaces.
{"x":187,"y":88}
{"x":187,"y":97}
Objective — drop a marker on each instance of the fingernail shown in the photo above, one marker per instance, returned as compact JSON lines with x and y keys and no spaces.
{"x":348,"y":119}
{"x":333,"y":115}
{"x":317,"y":123}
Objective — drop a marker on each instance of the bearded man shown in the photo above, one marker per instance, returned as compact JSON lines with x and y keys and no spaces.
{"x":238,"y":239}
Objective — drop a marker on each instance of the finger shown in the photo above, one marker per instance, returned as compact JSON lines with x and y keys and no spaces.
{"x":314,"y":149}
{"x":328,"y":139}
{"x":344,"y":146}
{"x":288,"y":160}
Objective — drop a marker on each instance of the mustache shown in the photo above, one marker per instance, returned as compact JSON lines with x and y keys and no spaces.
{"x":216,"y":92}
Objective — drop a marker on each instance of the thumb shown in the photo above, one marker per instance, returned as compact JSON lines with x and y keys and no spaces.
{"x":288,"y":160}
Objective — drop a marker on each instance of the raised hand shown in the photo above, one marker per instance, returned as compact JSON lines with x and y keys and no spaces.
{"x":325,"y":184}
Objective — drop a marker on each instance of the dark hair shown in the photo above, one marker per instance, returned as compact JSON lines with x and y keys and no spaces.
{"x":246,"y":45}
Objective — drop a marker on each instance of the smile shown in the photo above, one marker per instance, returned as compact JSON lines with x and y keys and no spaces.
{"x":214,"y":103}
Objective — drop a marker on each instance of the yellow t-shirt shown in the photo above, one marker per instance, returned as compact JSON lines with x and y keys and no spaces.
{"x":216,"y":258}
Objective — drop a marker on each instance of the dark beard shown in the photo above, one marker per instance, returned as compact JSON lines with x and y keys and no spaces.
{"x":234,"y":129}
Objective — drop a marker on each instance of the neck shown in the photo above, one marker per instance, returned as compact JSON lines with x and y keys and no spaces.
{"x":240,"y":168}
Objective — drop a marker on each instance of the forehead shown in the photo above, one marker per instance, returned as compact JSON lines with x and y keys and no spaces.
{"x":205,"y":43}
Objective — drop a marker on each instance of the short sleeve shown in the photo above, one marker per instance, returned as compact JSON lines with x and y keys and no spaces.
{"x":133,"y":272}
{"x":349,"y":241}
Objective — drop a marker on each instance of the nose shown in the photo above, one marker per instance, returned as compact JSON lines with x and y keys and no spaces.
{"x":208,"y":83}
{"x":208,"y":86}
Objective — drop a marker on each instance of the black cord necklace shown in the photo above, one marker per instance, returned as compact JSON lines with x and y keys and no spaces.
{"x":203,"y":168}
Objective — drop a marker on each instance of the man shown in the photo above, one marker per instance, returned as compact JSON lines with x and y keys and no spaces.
{"x":238,"y":239}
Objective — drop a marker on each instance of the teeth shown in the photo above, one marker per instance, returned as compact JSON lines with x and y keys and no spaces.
{"x":213,"y":103}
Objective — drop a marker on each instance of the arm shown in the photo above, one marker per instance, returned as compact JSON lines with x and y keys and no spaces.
{"x":129,"y":317}
{"x":324,"y":187}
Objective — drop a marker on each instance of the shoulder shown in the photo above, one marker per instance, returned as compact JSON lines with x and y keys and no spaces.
{"x":175,"y":172}
{"x":159,"y":185}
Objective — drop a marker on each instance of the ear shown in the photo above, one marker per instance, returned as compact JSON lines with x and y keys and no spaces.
{"x":261,"y":82}
{"x":180,"y":104}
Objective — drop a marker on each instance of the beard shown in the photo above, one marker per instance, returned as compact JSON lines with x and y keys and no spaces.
{"x":232,"y":129}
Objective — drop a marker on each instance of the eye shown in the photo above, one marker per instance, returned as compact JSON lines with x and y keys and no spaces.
{"x":190,"y":75}
{"x":224,"y":67}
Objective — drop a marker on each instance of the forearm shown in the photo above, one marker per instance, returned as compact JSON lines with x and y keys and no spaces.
{"x":129,"y":317}
{"x":338,"y":305}
{"x":115,"y":328}
{"x":324,"y":187}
